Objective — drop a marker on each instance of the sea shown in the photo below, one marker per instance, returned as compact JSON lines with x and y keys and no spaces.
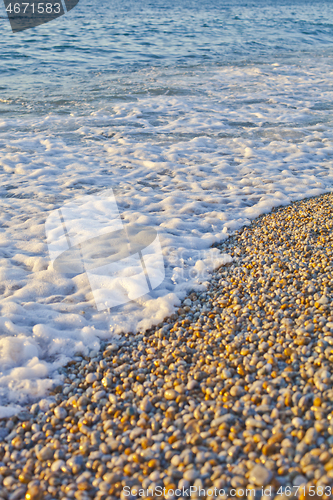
{"x":198,"y":116}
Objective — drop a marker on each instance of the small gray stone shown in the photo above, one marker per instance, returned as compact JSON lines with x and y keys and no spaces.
{"x":192,"y":384}
{"x":236,"y":390}
{"x":91,"y":378}
{"x":98,"y":396}
{"x":297,"y":422}
{"x":60,"y":413}
{"x":18,"y":494}
{"x":311,"y":436}
{"x":260,"y":476}
{"x":299,"y":480}
{"x":3,"y":433}
{"x":146,"y":405}
{"x":75,"y":462}
{"x":46,"y":453}
{"x":57,"y":465}
{"x":191,"y":475}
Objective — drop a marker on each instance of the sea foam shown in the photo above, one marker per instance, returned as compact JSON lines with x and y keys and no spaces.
{"x":219,"y":147}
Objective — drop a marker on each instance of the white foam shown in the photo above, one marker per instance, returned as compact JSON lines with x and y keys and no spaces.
{"x":224,"y":146}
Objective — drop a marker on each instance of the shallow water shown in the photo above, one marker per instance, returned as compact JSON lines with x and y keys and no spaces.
{"x":199,"y":117}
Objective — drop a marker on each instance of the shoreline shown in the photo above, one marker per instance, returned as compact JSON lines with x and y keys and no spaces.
{"x":239,"y":397}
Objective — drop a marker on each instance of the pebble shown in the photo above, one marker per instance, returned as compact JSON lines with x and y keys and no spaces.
{"x":46,"y":453}
{"x":170,"y":394}
{"x":34,"y":493}
{"x":299,"y":480}
{"x":57,"y":465}
{"x":191,"y":475}
{"x":91,"y":378}
{"x":60,"y":412}
{"x":146,"y":405}
{"x":297,"y":422}
{"x":311,"y":436}
{"x":260,"y":476}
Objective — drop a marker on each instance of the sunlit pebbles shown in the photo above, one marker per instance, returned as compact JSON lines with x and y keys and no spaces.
{"x":237,"y":396}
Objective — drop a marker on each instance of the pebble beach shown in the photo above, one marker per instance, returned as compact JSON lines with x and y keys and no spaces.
{"x":237,"y":397}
